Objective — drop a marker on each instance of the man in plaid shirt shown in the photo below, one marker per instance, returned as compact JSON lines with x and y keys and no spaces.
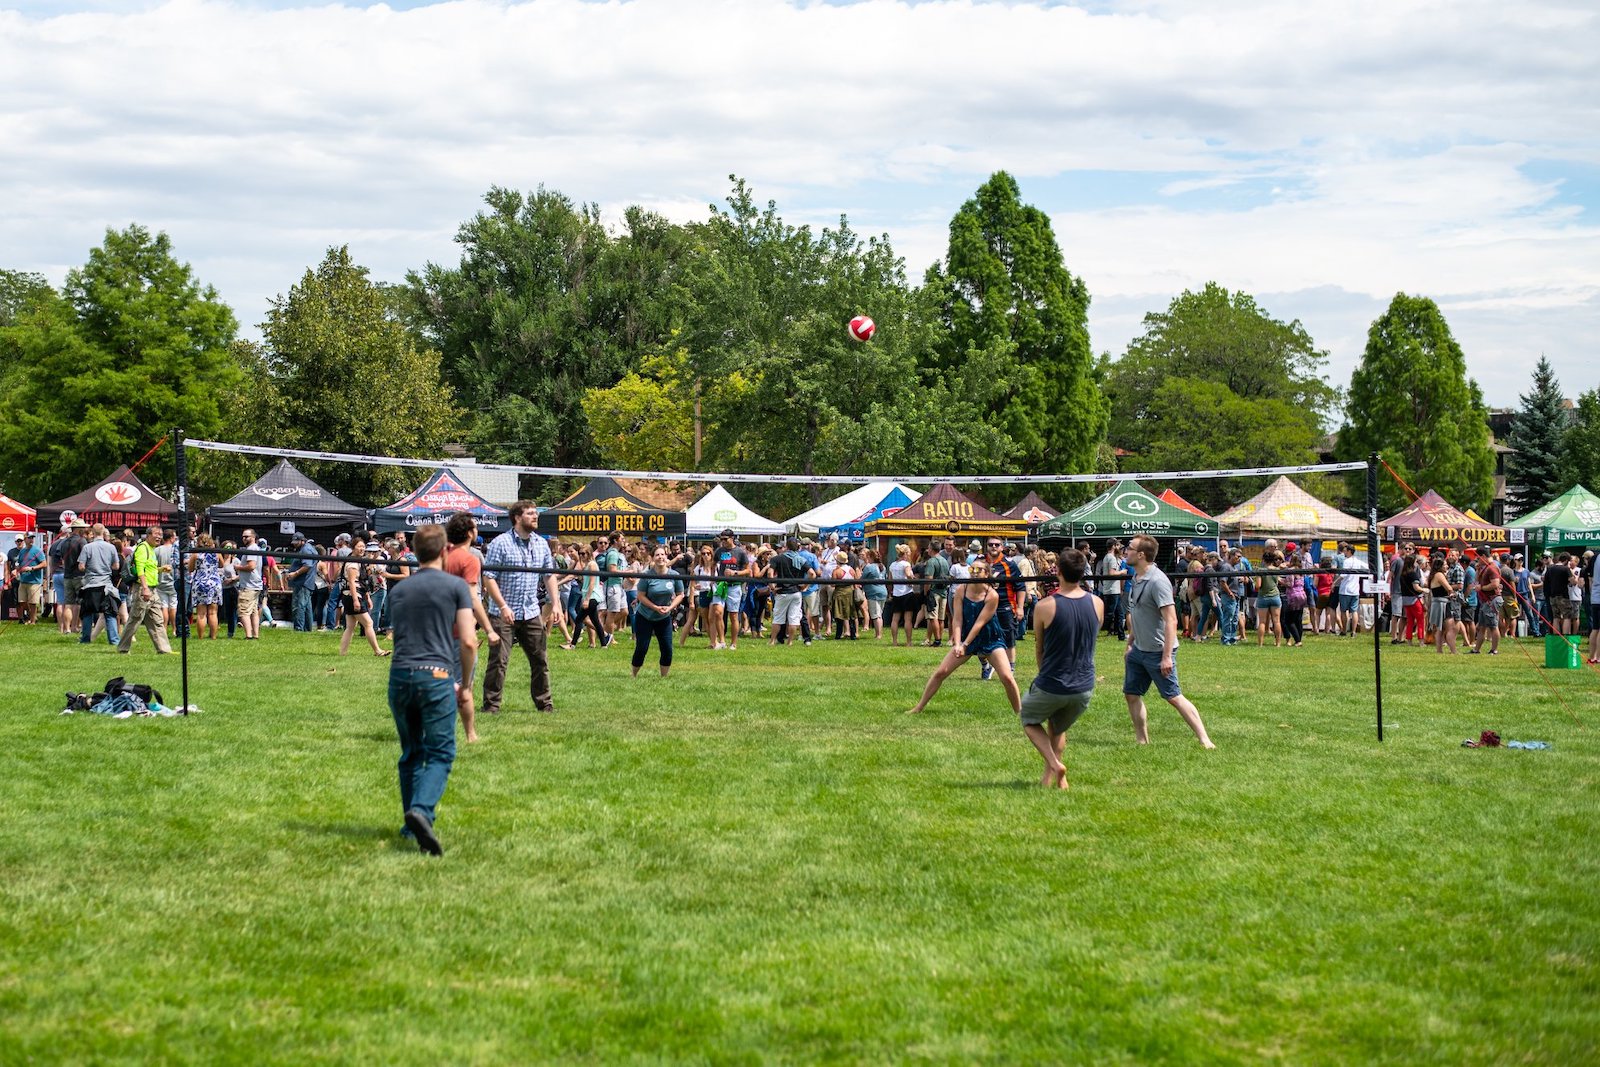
{"x":514,"y":607}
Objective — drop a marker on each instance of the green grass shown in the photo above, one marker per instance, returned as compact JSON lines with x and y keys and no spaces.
{"x":762,"y":859}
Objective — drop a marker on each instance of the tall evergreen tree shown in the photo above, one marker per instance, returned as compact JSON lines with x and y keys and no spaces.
{"x":1534,"y":476}
{"x":1411,"y":402}
{"x":1008,"y":300}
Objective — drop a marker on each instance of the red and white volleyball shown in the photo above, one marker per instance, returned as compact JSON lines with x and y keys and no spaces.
{"x":862,"y":328}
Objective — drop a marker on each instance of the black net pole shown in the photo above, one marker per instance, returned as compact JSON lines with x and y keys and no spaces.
{"x":1373,"y":565}
{"x":181,"y":569}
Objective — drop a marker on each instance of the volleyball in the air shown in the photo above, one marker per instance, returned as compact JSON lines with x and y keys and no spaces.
{"x":862,"y":328}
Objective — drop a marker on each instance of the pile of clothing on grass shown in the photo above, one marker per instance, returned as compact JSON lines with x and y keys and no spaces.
{"x":120,"y":699}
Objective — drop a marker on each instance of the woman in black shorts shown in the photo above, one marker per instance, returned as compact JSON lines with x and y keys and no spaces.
{"x":357,"y":601}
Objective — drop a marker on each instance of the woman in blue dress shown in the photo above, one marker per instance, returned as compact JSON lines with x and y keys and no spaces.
{"x":975,"y":632}
{"x":206,"y":578}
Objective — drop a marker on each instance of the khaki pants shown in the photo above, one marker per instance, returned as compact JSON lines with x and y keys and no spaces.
{"x":529,"y":635}
{"x":146,"y":610}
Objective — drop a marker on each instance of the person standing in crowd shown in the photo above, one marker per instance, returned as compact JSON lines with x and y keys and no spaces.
{"x":1594,"y":607}
{"x":1109,"y":568}
{"x":1489,"y":592}
{"x":844,"y":599}
{"x":459,"y":560}
{"x":732,"y":568}
{"x":758,"y":593}
{"x":71,"y":554}
{"x":659,"y":593}
{"x":936,"y":568}
{"x":1517,"y":589}
{"x":1410,"y":590}
{"x":358,"y":583}
{"x":167,"y":588}
{"x":1444,"y":608}
{"x":1008,"y":582}
{"x":302,"y":579}
{"x":610,"y":561}
{"x":205,"y":570}
{"x":1227,"y":588}
{"x":250,"y":586}
{"x":228,"y":565}
{"x":435,"y":647}
{"x":875,"y":592}
{"x":27,"y":576}
{"x":702,"y":569}
{"x":57,"y":572}
{"x":790,"y":572}
{"x":902,"y":596}
{"x":1537,"y":607}
{"x":1152,"y":654}
{"x":1295,"y":598}
{"x":1557,"y":579}
{"x":1066,"y":624}
{"x":1348,"y":620}
{"x":977,"y":631}
{"x":98,"y":565}
{"x":515,"y":610}
{"x":146,"y":603}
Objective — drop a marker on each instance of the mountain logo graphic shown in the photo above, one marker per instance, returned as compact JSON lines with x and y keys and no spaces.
{"x":118,"y":493}
{"x":616,"y":503}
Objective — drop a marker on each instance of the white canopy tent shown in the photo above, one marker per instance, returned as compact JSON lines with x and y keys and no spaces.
{"x":718,"y":510}
{"x":854,"y":509}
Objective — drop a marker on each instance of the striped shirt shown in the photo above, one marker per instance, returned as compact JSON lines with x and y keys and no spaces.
{"x":519,"y":588}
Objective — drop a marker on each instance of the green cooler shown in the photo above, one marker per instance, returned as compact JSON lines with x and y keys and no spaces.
{"x":1562,"y":653}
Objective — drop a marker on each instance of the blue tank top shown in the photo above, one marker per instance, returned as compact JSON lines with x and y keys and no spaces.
{"x":986,"y":640}
{"x":1066,"y":647}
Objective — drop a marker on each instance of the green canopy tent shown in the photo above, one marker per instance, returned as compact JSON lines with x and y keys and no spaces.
{"x":1571,"y":520}
{"x":1124,"y":510}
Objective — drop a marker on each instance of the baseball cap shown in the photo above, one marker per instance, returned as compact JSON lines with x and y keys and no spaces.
{"x":298,"y":538}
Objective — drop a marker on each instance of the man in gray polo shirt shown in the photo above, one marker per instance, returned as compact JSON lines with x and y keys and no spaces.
{"x":98,"y":564}
{"x":1153,"y":643}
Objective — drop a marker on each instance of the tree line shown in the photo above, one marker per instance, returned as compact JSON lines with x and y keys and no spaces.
{"x":720,"y":344}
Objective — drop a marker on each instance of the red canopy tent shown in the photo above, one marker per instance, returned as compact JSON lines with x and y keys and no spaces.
{"x":1431,"y":520}
{"x":16,"y":517}
{"x":1171,"y":496}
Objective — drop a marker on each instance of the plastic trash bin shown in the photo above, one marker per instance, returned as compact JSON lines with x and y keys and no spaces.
{"x":1562,"y":653}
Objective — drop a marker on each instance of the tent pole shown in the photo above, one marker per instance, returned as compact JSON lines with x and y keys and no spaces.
{"x":180,"y":569}
{"x":1372,"y":563}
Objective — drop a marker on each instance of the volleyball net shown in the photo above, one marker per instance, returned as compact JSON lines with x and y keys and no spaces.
{"x":330,"y":499}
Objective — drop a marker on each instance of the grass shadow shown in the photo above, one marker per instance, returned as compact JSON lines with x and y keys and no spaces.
{"x":351,"y":831}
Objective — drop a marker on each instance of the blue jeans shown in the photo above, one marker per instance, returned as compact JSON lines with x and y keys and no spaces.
{"x":92,"y":603}
{"x":1228,"y":611}
{"x":300,"y":608}
{"x":330,"y":614}
{"x":1114,"y":613}
{"x":380,"y":600}
{"x":1202,"y":615}
{"x":423,"y":702}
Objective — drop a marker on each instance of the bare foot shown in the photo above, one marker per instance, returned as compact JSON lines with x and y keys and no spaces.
{"x":1207,"y":744}
{"x":472,"y":738}
{"x":914,"y":711}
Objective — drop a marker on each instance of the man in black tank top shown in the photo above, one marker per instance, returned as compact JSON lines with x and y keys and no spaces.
{"x":1065,"y":627}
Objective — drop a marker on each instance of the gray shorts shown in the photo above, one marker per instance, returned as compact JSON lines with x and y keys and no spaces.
{"x":1060,"y":710}
{"x":616,"y":598}
{"x":167,"y":598}
{"x":1489,"y":611}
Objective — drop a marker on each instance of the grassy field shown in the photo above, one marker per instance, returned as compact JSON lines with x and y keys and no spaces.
{"x":762,"y":859}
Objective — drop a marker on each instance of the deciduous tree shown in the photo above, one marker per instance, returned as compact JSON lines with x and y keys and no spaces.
{"x":1580,"y":446}
{"x":1411,"y":402}
{"x":1006,"y":298}
{"x":135,"y":347}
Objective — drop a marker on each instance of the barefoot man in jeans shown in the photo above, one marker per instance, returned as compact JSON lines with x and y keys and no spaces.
{"x":1153,"y":643}
{"x":435,"y":647}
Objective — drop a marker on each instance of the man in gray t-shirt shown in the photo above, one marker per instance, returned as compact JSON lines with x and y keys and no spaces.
{"x":1153,"y":643}
{"x":98,"y":564}
{"x":435,"y":649}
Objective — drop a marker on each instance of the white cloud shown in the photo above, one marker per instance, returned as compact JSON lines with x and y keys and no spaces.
{"x":1389,"y":137}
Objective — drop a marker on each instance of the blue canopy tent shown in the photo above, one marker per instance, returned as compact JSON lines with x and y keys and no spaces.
{"x":849,"y":514}
{"x":442,"y":495}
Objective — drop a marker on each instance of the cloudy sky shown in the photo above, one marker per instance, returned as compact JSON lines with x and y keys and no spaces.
{"x":1322,"y":156}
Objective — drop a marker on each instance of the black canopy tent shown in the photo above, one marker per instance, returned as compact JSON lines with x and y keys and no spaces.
{"x":283,"y":501}
{"x":604,"y":507}
{"x":121,"y":501}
